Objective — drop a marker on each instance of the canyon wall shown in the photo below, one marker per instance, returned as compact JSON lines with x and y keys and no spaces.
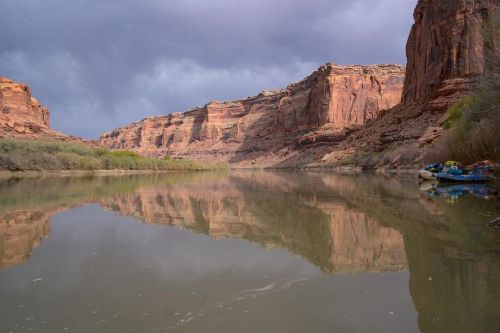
{"x":446,"y":49}
{"x":20,"y":113}
{"x":22,"y":116}
{"x":17,"y":104}
{"x":447,"y":52}
{"x":325,"y":106}
{"x":333,"y":114}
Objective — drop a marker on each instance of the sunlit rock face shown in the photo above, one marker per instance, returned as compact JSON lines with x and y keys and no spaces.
{"x":17,"y":104}
{"x":323,"y":107}
{"x":20,"y":232}
{"x":20,"y":113}
{"x":23,"y":117}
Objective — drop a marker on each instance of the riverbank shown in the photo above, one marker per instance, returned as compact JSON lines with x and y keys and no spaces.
{"x":36,"y":156}
{"x":78,"y":173}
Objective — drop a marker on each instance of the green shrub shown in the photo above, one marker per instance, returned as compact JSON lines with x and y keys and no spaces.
{"x":31,"y":155}
{"x":456,"y":111}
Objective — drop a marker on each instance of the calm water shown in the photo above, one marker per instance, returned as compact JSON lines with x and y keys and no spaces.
{"x":247,"y":252}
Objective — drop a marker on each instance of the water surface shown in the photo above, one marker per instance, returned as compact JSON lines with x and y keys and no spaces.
{"x":246,"y":252}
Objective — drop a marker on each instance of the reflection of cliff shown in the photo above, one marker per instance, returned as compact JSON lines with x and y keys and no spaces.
{"x":20,"y":232}
{"x":454,"y":260}
{"x":329,"y":235}
{"x":266,"y":208}
{"x":359,"y":243}
{"x":452,"y":288}
{"x":338,"y":223}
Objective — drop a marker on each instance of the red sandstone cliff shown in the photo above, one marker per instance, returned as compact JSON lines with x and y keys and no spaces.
{"x":18,"y":109}
{"x":446,"y":49}
{"x":446,"y":54}
{"x":313,"y":122}
{"x":22,"y":116}
{"x":323,"y":107}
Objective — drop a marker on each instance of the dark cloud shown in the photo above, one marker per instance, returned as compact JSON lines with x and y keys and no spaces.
{"x":101,"y":64}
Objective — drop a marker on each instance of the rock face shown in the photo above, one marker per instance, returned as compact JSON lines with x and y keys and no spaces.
{"x":334,"y":114}
{"x":324,"y":107}
{"x":446,"y":53}
{"x":17,"y":104}
{"x":23,"y":117}
{"x":19,"y":111}
{"x":446,"y":49}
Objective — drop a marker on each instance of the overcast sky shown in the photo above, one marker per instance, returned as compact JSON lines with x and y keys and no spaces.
{"x":100,"y":64}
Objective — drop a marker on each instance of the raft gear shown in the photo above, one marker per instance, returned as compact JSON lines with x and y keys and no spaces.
{"x":430,"y":171}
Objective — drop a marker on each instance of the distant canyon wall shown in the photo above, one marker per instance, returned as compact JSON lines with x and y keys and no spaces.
{"x":330,"y":116}
{"x":324,"y":106}
{"x":19,"y":111}
{"x":23,"y":117}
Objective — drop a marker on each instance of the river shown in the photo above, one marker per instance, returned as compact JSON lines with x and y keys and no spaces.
{"x":247,"y":251}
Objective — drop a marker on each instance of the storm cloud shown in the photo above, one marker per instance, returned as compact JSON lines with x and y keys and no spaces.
{"x":100,"y":64}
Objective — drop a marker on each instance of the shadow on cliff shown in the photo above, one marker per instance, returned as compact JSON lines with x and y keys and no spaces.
{"x":198,"y":125}
{"x":268,"y":142}
{"x":258,"y":141}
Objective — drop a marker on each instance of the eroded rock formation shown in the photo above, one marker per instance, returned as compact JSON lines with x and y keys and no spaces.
{"x":22,"y":116}
{"x":447,"y":52}
{"x":324,"y":107}
{"x":17,"y":104}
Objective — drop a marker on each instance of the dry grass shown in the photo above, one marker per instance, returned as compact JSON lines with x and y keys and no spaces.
{"x":30,"y":155}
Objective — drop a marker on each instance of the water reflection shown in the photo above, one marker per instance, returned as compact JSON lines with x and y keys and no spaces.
{"x":341,"y":224}
{"x":453,"y":192}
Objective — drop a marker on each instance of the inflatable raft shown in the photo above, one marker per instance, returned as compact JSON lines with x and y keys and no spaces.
{"x":447,"y":177}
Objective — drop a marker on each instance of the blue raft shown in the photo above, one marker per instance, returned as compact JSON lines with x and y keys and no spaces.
{"x":463,"y":178}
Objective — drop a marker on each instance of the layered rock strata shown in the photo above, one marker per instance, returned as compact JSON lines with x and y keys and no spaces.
{"x":316,"y":121}
{"x":17,"y":104}
{"x":323,"y":107}
{"x":447,"y":52}
{"x":446,"y":49}
{"x":22,"y":116}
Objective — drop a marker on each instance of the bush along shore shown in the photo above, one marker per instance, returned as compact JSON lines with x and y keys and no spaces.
{"x":52,"y":156}
{"x":473,"y":124}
